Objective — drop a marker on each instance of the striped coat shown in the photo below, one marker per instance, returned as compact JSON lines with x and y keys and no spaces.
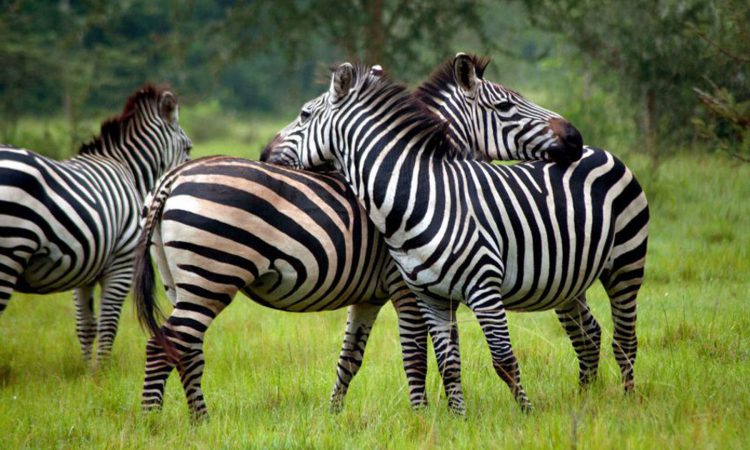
{"x":72,"y":224}
{"x":527,"y":237}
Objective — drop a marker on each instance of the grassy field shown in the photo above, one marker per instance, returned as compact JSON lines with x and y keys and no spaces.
{"x":268,"y":374}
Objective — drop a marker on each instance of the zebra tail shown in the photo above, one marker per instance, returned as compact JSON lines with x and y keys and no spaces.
{"x":149,"y":313}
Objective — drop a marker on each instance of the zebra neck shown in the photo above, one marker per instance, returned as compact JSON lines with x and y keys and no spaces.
{"x":474,"y":133}
{"x":458,"y":115}
{"x":136,"y":159}
{"x":392,"y":177}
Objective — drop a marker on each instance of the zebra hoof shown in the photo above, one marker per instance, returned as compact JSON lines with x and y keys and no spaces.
{"x":419,"y":405}
{"x":198,"y":418}
{"x":458,"y":410}
{"x":336,"y":404}
{"x":151,"y":405}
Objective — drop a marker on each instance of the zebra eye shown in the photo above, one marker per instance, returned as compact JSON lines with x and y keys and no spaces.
{"x":304,"y":115}
{"x":504,"y":106}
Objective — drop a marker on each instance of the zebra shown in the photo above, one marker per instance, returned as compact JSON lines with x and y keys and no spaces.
{"x":240,"y":218}
{"x":290,"y":240}
{"x":528,"y":237}
{"x":72,"y":224}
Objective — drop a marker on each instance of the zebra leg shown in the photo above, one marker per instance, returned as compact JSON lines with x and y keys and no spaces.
{"x":197,"y":307}
{"x":585,"y":334}
{"x":441,"y":320}
{"x":622,"y":289}
{"x":11,"y":267}
{"x":358,"y":326}
{"x":85,"y":319}
{"x":413,"y":335}
{"x":115,"y":287}
{"x":490,"y":312}
{"x":158,"y":368}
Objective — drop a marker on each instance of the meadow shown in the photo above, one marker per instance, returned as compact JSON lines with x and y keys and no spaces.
{"x":268,"y":374}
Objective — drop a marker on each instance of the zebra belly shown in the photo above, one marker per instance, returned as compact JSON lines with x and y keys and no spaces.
{"x":51,"y":219}
{"x":52,"y":271}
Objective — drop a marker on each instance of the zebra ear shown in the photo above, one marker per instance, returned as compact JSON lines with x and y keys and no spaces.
{"x":465,"y":72}
{"x":341,"y":82}
{"x":168,"y":107}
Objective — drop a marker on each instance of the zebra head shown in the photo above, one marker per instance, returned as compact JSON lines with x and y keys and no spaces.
{"x":146,"y":137}
{"x":494,"y":122}
{"x":282,"y":149}
{"x":178,"y":143}
{"x":305,"y":143}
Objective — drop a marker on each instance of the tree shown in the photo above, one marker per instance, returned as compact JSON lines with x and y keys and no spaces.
{"x":651,"y":45}
{"x":393,"y":33}
{"x":725,"y":92}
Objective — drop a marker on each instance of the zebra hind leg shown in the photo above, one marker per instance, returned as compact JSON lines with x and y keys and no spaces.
{"x":197,"y":307}
{"x":358,"y":326}
{"x":85,"y":319}
{"x":441,"y":320}
{"x":115,"y":286}
{"x":11,"y":267}
{"x":622,"y":288}
{"x":585,"y":334}
{"x":158,"y":368}
{"x":490,"y":312}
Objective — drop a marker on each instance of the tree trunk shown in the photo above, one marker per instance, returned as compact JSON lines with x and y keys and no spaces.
{"x":375,"y":32}
{"x":649,"y":131}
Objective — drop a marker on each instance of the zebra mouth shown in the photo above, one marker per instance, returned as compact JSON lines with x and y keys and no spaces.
{"x":569,"y":146}
{"x":565,"y":153}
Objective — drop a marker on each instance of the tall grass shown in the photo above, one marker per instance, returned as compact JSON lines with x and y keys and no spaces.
{"x":268,"y":374}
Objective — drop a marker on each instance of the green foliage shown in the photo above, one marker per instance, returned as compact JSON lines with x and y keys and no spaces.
{"x":268,"y":373}
{"x":727,"y":126}
{"x":725,"y":121}
{"x":659,"y":50}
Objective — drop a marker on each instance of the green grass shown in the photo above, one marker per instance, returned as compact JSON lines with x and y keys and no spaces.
{"x":269,"y":374}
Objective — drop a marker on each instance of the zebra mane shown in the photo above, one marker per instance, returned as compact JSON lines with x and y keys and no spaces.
{"x":409,"y":106}
{"x":111,"y":129}
{"x":442,"y":78}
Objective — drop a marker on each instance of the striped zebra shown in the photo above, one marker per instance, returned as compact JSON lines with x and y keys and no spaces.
{"x":72,"y":224}
{"x":291,"y":240}
{"x":528,"y":237}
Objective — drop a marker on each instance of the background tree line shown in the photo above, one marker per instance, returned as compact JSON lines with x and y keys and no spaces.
{"x":655,"y":74}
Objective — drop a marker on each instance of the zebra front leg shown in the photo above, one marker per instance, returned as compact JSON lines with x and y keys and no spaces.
{"x":441,"y":320}
{"x":585,"y":334}
{"x":85,"y":319}
{"x":115,"y":286}
{"x":358,"y":326}
{"x":413,"y":333}
{"x":490,"y":312}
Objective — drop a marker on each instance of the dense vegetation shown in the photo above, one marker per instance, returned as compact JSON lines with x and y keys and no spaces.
{"x":665,"y":74}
